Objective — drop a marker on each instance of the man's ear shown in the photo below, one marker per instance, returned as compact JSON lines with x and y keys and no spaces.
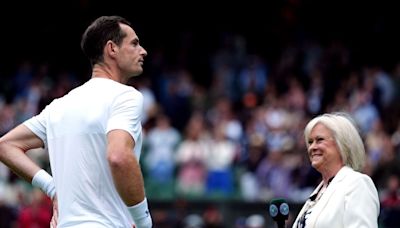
{"x":110,"y":48}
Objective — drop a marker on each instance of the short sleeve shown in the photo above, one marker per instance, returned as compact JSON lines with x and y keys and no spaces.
{"x":38,"y":124}
{"x":126,"y":113}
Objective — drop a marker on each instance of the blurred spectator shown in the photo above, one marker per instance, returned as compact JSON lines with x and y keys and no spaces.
{"x":295,"y":96}
{"x":220,"y":160}
{"x":387,"y":165}
{"x":222,"y":111}
{"x":223,"y":82}
{"x":161,"y":143}
{"x":390,"y":201}
{"x":375,"y":142}
{"x":384,"y":85}
{"x":253,"y":77}
{"x":255,"y":152}
{"x":175,"y":92}
{"x":274,"y":176}
{"x":191,"y":158}
{"x":38,"y":213}
{"x":364,"y":111}
{"x":7,"y":118}
{"x":193,"y":221}
{"x":391,"y":194}
{"x":315,"y":92}
{"x":213,"y":217}
{"x":150,"y":106}
{"x":255,"y":221}
{"x":8,"y":213}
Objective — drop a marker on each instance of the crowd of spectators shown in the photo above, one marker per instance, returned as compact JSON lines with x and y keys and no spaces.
{"x":237,"y":136}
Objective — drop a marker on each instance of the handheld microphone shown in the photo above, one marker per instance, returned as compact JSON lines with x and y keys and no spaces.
{"x":279,"y":211}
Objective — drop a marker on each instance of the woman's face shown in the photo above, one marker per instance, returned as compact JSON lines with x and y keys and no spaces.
{"x":322,"y":149}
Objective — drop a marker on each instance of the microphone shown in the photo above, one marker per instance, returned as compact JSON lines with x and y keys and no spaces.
{"x":279,"y":211}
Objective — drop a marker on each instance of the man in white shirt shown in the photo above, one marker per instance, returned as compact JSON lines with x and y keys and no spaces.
{"x":94,"y":137}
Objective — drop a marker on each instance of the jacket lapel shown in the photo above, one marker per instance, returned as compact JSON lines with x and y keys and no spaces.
{"x":329,"y":192}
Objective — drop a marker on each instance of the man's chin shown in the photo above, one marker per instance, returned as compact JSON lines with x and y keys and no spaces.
{"x":135,"y":74}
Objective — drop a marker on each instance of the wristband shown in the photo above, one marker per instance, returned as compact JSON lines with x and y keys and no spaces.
{"x":45,"y":182}
{"x":141,"y":215}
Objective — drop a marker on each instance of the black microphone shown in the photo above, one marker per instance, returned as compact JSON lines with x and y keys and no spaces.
{"x":279,"y":211}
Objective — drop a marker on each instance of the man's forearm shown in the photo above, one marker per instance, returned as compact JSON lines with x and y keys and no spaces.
{"x":16,"y":159}
{"x":13,"y":146}
{"x":128,"y":180}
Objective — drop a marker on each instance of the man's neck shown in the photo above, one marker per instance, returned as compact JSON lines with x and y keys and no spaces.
{"x":100,"y":71}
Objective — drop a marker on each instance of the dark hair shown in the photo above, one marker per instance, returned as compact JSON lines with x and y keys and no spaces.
{"x":100,"y":31}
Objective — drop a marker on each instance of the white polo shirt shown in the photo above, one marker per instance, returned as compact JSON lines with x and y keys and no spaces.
{"x":74,"y":129}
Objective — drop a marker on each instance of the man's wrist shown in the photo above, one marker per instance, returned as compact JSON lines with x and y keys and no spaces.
{"x":141,"y":214}
{"x":45,"y":182}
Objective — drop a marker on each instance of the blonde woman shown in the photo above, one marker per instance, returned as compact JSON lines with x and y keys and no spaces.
{"x":346,"y":197}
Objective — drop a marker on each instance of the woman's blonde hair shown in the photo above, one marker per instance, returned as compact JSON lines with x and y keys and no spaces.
{"x":346,"y":136}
